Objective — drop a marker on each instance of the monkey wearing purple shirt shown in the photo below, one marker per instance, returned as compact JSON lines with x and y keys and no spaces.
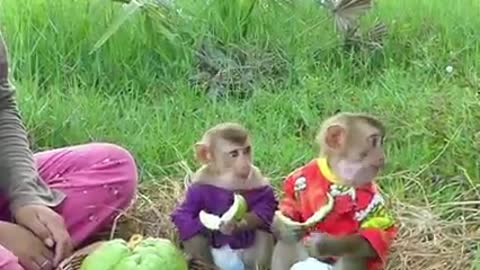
{"x":226,"y":154}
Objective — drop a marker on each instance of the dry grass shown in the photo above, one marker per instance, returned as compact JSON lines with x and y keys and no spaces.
{"x":426,"y":240}
{"x":150,"y":214}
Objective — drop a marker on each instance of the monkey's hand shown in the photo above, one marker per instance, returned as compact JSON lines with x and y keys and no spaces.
{"x":322,"y":244}
{"x":228,"y":228}
{"x":318,"y":245}
{"x":286,"y":232}
{"x":250,"y":222}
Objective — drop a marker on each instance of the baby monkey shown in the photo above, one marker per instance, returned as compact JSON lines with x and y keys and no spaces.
{"x":357,"y":231}
{"x":226,"y":154}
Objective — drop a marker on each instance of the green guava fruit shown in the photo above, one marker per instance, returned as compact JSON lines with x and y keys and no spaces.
{"x":131,"y":262}
{"x":145,"y":250}
{"x":106,"y":256}
{"x":159,"y":253}
{"x":137,"y":254}
{"x":152,"y":261}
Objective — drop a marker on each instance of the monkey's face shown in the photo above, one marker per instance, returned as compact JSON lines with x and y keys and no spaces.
{"x":234,"y":158}
{"x":360,"y":156}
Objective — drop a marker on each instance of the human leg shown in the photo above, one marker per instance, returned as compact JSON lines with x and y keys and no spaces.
{"x":99,"y":180}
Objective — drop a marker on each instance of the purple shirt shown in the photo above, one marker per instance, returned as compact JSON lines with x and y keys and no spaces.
{"x":216,"y":200}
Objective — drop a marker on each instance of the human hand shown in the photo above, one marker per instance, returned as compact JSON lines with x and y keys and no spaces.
{"x":286,"y":232}
{"x":48,"y":226}
{"x":29,"y":249}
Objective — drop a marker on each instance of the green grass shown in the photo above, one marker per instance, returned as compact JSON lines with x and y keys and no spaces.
{"x":134,"y":90}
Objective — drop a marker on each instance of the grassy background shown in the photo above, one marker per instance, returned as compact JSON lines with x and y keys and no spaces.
{"x":134,"y":90}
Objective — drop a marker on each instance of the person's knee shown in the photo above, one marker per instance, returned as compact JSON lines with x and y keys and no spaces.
{"x":126,"y":167}
{"x":112,"y":151}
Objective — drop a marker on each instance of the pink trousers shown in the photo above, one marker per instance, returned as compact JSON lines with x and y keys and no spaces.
{"x":99,"y":181}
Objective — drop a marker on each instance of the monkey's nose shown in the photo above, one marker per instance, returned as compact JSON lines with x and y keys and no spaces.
{"x":245,"y":174}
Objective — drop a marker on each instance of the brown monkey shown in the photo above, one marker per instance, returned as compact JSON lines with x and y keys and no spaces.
{"x":227,"y":156}
{"x":357,"y":231}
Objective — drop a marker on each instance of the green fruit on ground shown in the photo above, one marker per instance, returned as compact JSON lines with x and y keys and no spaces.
{"x":148,"y":254}
{"x":146,"y":250}
{"x":152,"y":261}
{"x":145,"y":258}
{"x":154,"y":242}
{"x":106,"y":256}
{"x":236,"y":212}
{"x":129,"y":263}
{"x":168,"y":256}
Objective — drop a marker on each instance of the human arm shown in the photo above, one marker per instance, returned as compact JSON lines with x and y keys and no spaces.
{"x":28,"y":197}
{"x":19,"y":177}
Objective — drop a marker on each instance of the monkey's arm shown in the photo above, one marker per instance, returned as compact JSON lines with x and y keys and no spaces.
{"x":288,"y":204}
{"x":198,"y":247}
{"x":379,"y":230}
{"x":263,"y":205}
{"x":373,"y":240}
{"x":191,"y":232}
{"x":350,"y":245}
{"x":370,"y":243}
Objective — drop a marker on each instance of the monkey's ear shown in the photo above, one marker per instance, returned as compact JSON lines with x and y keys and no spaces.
{"x":202,"y":152}
{"x":335,"y":137}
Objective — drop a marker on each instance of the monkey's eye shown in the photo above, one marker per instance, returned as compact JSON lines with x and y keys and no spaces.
{"x":377,"y":141}
{"x":247,"y":150}
{"x":234,"y":153}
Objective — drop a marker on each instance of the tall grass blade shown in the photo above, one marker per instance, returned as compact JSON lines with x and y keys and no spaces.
{"x":126,"y":12}
{"x":159,"y":21}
